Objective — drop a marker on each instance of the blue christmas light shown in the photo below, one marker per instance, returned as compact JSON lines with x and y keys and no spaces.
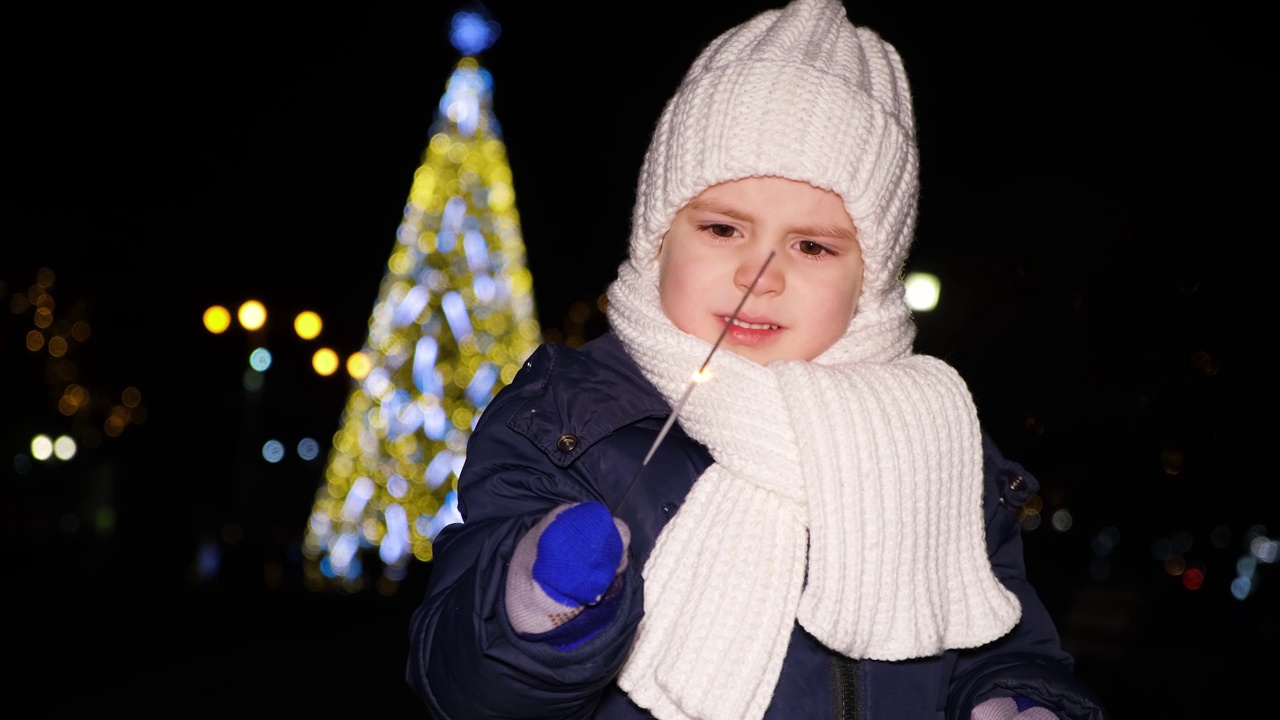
{"x":472,"y":32}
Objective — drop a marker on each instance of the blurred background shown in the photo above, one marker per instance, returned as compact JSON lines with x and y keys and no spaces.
{"x":178,"y":496}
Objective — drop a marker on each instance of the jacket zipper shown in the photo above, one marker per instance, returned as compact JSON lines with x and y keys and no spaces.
{"x":846,"y":683}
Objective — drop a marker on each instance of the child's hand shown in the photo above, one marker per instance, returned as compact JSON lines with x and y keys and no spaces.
{"x":564,"y":563}
{"x":580,"y":548}
{"x":1012,"y":708}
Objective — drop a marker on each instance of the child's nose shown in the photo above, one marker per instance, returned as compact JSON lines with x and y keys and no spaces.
{"x":754,"y":265}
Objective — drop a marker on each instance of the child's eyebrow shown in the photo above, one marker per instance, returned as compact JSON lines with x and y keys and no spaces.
{"x":833,"y":232}
{"x":715,"y":206}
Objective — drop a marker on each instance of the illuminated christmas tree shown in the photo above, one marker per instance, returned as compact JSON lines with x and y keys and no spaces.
{"x":453,"y":321}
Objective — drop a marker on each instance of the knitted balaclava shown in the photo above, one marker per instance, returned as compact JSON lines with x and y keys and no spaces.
{"x":846,"y":492}
{"x":801,"y":93}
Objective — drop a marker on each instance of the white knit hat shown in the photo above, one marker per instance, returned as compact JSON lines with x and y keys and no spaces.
{"x":801,"y":93}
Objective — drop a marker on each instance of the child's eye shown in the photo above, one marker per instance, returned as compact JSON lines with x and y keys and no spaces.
{"x":720,"y":230}
{"x":809,"y":247}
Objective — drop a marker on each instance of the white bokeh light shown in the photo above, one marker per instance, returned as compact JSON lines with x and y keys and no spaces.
{"x":922,"y":291}
{"x":41,"y":447}
{"x":64,"y":447}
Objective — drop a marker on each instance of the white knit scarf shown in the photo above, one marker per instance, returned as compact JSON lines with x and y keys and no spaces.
{"x":864,"y":476}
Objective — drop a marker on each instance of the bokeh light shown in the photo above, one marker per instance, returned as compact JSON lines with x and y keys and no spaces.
{"x":923,"y":290}
{"x":217,"y":319}
{"x":307,"y":324}
{"x":260,"y":359}
{"x":1062,"y":520}
{"x":308,"y":449}
{"x":74,"y":397}
{"x":252,"y":315}
{"x":1246,"y":566}
{"x":41,"y":447}
{"x":1263,"y":548}
{"x":57,"y":346}
{"x":273,"y":451}
{"x":252,"y":380}
{"x":325,"y":361}
{"x":64,"y":448}
{"x":472,"y":32}
{"x":1241,"y":587}
{"x":1193,"y":578}
{"x":359,"y":365}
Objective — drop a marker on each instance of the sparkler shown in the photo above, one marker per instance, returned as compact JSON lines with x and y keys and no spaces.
{"x":698,"y":377}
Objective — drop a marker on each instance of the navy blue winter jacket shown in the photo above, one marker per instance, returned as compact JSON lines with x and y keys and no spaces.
{"x":574,"y":425}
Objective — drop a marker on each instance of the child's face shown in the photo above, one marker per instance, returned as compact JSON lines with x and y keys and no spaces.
{"x":716,"y":245}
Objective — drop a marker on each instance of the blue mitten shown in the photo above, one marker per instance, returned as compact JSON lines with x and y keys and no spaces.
{"x":565,"y":575}
{"x":1012,"y":708}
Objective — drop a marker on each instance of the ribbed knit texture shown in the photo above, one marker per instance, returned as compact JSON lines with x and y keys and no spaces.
{"x":863,"y":466}
{"x":876,"y":465}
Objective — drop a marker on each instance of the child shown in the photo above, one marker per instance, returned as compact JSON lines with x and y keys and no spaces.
{"x":825,"y":532}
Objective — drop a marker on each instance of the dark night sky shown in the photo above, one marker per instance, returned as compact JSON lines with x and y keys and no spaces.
{"x":1091,"y":183}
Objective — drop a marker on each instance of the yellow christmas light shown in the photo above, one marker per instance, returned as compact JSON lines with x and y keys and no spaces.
{"x":325,"y":361}
{"x":307,"y":324}
{"x":217,"y":319}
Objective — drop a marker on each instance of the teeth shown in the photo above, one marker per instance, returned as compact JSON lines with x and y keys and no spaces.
{"x":751,"y":326}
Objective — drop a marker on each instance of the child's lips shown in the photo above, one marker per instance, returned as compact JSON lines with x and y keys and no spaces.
{"x":751,"y":334}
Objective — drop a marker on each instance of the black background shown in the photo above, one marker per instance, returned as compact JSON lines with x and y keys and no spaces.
{"x":1091,"y":198}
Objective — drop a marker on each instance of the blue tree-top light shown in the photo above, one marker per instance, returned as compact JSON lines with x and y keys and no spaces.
{"x":471,"y":31}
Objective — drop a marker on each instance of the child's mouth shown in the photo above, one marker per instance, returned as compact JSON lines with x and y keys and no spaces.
{"x":749,"y":334}
{"x":749,"y":326}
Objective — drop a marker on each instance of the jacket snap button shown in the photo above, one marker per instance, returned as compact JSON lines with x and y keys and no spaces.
{"x":1016,"y":483}
{"x":566,"y":443}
